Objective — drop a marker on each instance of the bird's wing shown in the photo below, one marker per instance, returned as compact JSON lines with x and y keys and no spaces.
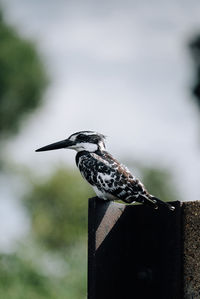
{"x":109,"y":176}
{"x":112,"y":178}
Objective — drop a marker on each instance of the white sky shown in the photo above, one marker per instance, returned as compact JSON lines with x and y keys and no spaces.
{"x":118,"y":67}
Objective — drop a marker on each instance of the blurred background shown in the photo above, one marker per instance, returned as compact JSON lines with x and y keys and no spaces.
{"x":127,"y":69}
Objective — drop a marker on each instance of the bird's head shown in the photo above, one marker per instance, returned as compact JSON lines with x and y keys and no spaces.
{"x":81,"y":141}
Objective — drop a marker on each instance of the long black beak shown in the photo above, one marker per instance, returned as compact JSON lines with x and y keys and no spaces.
{"x":53,"y":146}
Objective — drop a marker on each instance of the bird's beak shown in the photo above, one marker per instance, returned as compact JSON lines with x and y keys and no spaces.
{"x":53,"y":146}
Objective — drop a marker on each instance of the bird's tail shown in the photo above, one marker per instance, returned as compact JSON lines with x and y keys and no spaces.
{"x":155,"y":202}
{"x":161,"y":203}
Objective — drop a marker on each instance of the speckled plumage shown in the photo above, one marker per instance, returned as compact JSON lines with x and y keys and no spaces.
{"x":112,"y":180}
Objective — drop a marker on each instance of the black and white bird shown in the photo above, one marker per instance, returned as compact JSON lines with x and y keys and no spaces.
{"x":109,"y":179}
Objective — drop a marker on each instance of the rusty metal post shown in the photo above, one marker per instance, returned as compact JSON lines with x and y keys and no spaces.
{"x":134,"y":251}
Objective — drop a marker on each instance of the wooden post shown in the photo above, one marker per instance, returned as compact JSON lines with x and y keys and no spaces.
{"x":134,"y":251}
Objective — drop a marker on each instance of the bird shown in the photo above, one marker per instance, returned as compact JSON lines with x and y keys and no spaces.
{"x":110,"y":179}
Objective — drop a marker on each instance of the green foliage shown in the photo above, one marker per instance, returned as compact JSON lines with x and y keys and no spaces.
{"x":19,"y":279}
{"x":58,"y":209}
{"x":22,"y":278}
{"x":159,"y":183}
{"x":22,"y":79}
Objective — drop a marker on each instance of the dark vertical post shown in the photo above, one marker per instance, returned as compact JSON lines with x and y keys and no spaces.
{"x":133,"y":251}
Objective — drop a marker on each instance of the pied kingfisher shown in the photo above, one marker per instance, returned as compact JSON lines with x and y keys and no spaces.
{"x":109,"y":179}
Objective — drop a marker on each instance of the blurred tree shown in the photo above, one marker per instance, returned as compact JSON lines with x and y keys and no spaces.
{"x":159,"y":183}
{"x":195,"y":52}
{"x":58,"y":209}
{"x":19,"y":279}
{"x":26,"y":278}
{"x":22,"y":79}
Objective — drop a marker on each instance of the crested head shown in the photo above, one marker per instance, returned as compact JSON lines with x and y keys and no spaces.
{"x":87,"y":141}
{"x":81,"y":141}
